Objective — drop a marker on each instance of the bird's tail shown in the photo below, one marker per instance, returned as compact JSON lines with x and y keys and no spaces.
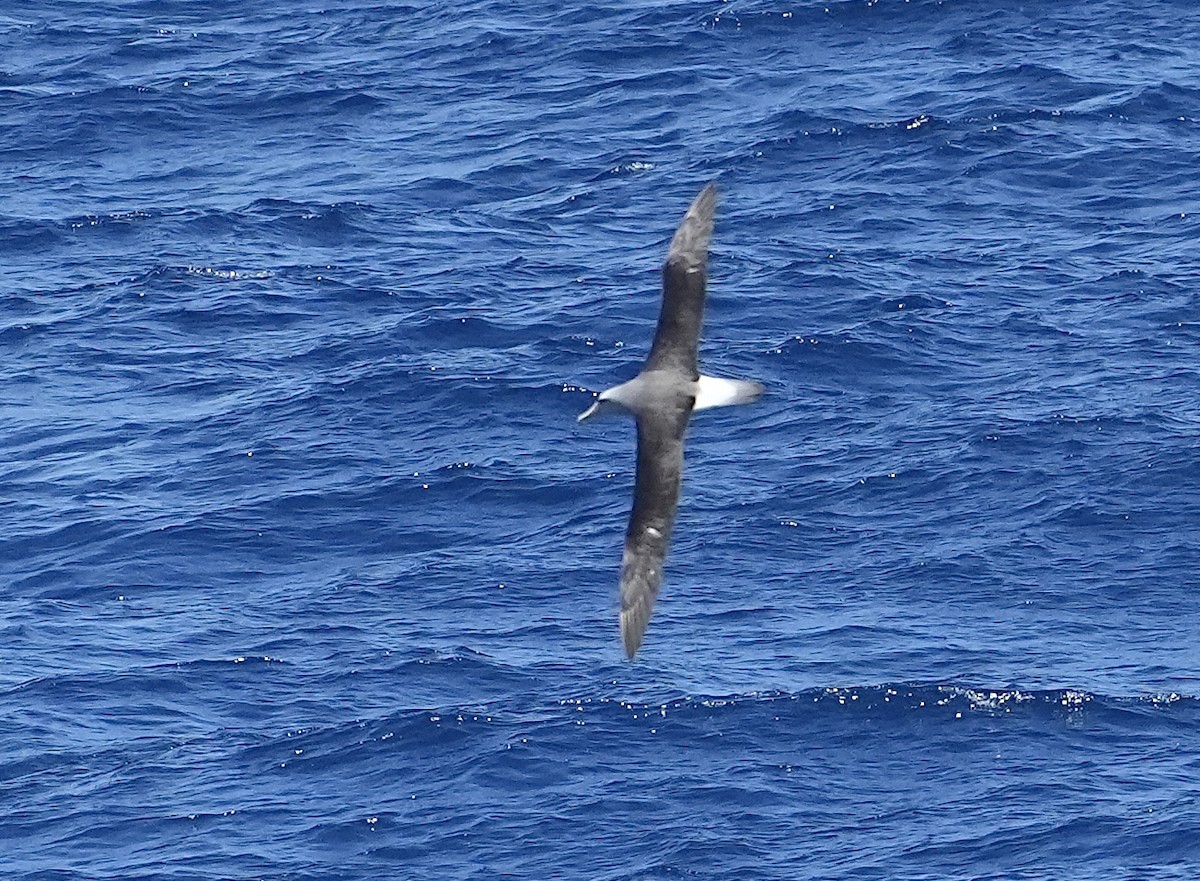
{"x":714,"y":392}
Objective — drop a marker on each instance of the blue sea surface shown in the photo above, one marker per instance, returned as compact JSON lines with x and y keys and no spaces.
{"x":307,"y":570}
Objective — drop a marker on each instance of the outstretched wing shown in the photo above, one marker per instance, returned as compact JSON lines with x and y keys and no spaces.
{"x":655,"y":498}
{"x":685,"y":277}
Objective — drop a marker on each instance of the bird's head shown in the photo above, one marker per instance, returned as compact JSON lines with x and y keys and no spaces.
{"x":607,"y":403}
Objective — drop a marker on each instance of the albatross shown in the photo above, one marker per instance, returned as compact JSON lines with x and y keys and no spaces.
{"x":662,"y":399}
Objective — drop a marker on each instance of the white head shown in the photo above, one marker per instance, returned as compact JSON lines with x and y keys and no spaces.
{"x":602,"y":406}
{"x":608,"y":402}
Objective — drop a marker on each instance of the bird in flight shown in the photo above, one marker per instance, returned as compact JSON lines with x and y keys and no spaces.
{"x":662,"y":399}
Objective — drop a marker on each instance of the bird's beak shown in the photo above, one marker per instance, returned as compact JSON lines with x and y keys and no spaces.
{"x":589,"y":412}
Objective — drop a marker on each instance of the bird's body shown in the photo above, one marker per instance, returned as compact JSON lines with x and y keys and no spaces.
{"x":662,"y":399}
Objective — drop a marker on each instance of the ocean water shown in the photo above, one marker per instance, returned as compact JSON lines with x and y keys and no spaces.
{"x":308,"y":572}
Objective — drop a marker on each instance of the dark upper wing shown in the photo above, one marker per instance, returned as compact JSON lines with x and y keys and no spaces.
{"x":655,"y":497}
{"x":685,"y":275}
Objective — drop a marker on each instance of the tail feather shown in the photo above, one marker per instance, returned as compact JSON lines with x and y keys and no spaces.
{"x":712,"y":391}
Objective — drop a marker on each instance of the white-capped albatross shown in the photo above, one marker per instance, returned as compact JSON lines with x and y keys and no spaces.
{"x":662,"y":399}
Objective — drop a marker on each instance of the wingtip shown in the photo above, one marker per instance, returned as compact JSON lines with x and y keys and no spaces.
{"x":631,"y":635}
{"x":706,"y":199}
{"x":690,"y":242}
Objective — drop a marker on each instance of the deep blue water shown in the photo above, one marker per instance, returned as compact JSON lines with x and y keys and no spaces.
{"x":307,"y":571}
